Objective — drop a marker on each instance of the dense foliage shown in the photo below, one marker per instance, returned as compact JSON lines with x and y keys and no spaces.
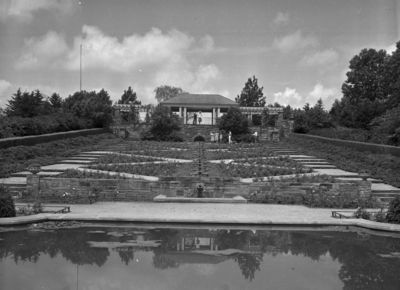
{"x":56,"y":122}
{"x":7,"y":207}
{"x":91,"y":105}
{"x":393,"y":214}
{"x":251,"y":95}
{"x":164,"y":93}
{"x":309,"y":118}
{"x":31,"y":113}
{"x":164,"y":126}
{"x":235,"y":122}
{"x":130,"y":97}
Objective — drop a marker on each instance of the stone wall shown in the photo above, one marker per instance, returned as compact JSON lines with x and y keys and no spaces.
{"x":189,"y":132}
{"x":361,"y":146}
{"x":43,"y":138}
{"x":83,"y":190}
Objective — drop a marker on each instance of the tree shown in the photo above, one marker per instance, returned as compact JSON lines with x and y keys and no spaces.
{"x":25,"y":104}
{"x":96,"y":107}
{"x":129,"y":97}
{"x":251,"y":95}
{"x":235,"y":122}
{"x":391,"y":78}
{"x":56,"y":101}
{"x":364,"y":93}
{"x":165,"y":92}
{"x":164,"y":125}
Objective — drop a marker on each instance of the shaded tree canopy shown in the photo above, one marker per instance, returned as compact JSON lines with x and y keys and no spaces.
{"x":56,"y":101}
{"x":25,"y":104}
{"x":251,"y":95}
{"x":91,"y":105}
{"x":129,"y":97}
{"x":164,"y":125}
{"x":235,"y":122}
{"x":166,"y":92}
{"x":364,"y":91}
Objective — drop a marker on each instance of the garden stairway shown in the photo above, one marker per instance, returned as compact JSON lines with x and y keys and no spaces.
{"x":200,"y":168}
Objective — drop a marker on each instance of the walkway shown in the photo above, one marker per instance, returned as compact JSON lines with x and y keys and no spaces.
{"x":248,"y":214}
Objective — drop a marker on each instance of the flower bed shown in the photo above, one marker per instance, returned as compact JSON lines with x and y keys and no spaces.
{"x":256,"y":170}
{"x":116,"y":158}
{"x":164,"y":169}
{"x":73,"y":173}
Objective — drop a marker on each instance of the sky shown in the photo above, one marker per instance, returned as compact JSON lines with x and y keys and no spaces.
{"x":299,"y":50}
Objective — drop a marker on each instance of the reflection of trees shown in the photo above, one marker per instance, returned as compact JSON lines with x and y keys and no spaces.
{"x":126,"y":254}
{"x":362,"y":267}
{"x":160,"y":261}
{"x":169,"y":239}
{"x":71,"y":244}
{"x":249,"y":264}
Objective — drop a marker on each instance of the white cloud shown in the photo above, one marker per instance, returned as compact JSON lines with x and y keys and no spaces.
{"x":293,"y":98}
{"x":47,"y":50}
{"x":391,"y":48}
{"x":24,"y":9}
{"x":152,"y":59}
{"x":4,"y":91}
{"x":294,"y":41}
{"x":288,"y":97}
{"x":282,"y":18}
{"x":327,"y":95}
{"x":319,"y":58}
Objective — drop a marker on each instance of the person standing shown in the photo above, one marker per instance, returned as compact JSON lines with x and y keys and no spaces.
{"x":194,"y":119}
{"x":230,"y":137}
{"x":199,"y":117}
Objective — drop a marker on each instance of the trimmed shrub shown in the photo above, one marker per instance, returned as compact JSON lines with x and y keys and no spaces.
{"x":393,"y":215}
{"x":7,"y":207}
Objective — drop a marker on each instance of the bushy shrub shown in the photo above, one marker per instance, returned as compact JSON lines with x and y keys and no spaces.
{"x":7,"y":207}
{"x":44,"y":124}
{"x":164,"y":126}
{"x":393,"y":214}
{"x":362,"y":213}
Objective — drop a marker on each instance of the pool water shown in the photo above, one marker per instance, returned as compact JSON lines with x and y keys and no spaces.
{"x":177,"y":257}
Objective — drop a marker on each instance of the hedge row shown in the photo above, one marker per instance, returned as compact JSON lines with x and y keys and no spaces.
{"x":32,"y":140}
{"x":360,"y":146}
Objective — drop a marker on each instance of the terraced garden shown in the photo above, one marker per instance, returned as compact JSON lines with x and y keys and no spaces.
{"x":182,"y":159}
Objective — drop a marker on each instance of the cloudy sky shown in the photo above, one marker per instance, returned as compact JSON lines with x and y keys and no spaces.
{"x":298,"y":49}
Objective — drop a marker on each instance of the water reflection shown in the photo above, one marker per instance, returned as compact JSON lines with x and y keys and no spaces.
{"x":366,"y":262}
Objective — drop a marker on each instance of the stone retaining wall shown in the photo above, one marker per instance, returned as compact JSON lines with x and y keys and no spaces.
{"x":361,"y":146}
{"x":32,"y":140}
{"x":83,"y":190}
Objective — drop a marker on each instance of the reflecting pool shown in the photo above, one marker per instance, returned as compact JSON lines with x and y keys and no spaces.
{"x":177,"y":257}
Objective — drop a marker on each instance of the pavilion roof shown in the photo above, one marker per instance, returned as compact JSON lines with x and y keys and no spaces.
{"x":200,"y":99}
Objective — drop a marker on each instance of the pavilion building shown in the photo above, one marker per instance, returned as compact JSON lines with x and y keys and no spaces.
{"x":191,"y":107}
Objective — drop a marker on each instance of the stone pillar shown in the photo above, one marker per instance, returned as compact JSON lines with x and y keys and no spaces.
{"x":213,"y":117}
{"x":180,"y":112}
{"x":32,"y":185}
{"x":184,"y":115}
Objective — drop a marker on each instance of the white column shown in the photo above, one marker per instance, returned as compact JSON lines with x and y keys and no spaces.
{"x":213,"y":119}
{"x":180,"y":111}
{"x":184,"y":115}
{"x":218,"y":112}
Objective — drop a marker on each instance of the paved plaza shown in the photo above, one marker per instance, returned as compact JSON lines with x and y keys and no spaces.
{"x":198,"y":213}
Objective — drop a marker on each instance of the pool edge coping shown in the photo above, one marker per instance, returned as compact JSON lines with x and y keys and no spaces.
{"x":25,"y":220}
